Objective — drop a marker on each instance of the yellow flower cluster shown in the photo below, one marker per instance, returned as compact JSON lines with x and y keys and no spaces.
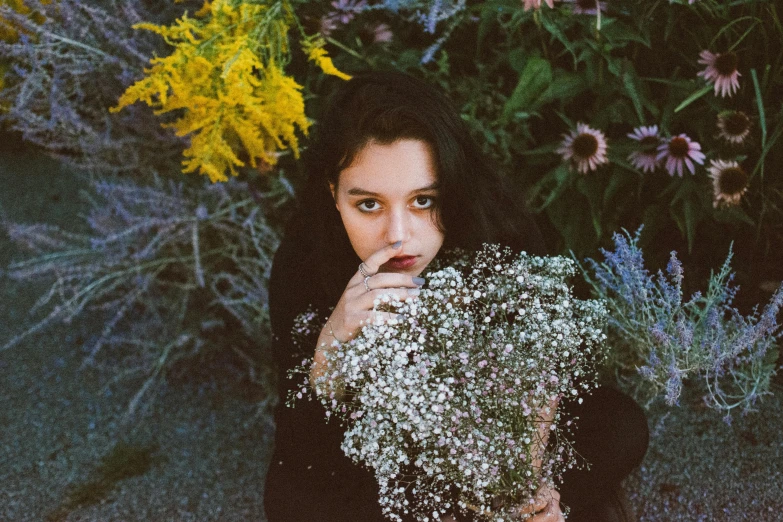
{"x":316,"y":53}
{"x":225,"y":79}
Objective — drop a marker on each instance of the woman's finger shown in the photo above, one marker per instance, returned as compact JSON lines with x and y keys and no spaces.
{"x":392,"y":280}
{"x":539,"y":503}
{"x":375,"y":317}
{"x":376,"y":259}
{"x":551,"y":511}
{"x":369,"y":300}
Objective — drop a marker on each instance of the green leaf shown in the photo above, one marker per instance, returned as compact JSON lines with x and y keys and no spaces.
{"x":534,"y":80}
{"x":770,"y":143}
{"x":591,"y":186}
{"x":619,"y":34}
{"x":561,"y":177}
{"x":631,"y":83}
{"x":760,"y":105}
{"x":693,"y":97}
{"x":617,"y":182}
{"x":654,"y":219}
{"x":564,"y":86}
{"x":552,"y":28}
{"x":548,"y":148}
{"x":488,"y":19}
{"x":517,"y":58}
{"x":687,"y":199}
{"x":691,"y":220}
{"x":733,"y":215}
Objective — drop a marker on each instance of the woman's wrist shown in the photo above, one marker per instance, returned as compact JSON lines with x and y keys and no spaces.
{"x":319,"y":372}
{"x":331,"y":331}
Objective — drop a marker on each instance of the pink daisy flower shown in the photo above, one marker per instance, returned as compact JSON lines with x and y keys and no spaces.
{"x":721,"y":70}
{"x":584,"y":148}
{"x":646,"y":158}
{"x":536,"y":4}
{"x":588,"y":7}
{"x":733,"y":126}
{"x":680,"y":150}
{"x":729,"y":182}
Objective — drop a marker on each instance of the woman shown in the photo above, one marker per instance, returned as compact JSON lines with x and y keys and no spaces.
{"x":394,"y":179}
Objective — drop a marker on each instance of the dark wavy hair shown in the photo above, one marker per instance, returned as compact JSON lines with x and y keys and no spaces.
{"x":475,"y":203}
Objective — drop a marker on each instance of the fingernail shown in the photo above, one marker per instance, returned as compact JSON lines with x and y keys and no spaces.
{"x":419,"y":281}
{"x":414,"y":291}
{"x":398,"y":244}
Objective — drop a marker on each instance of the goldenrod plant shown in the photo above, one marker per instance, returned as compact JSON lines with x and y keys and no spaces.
{"x":226,"y":81}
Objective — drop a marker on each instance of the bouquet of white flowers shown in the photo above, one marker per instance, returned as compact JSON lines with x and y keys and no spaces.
{"x":450,"y":403}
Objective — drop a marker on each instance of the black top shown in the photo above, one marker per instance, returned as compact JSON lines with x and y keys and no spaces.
{"x":309,"y":476}
{"x":310,"y":479}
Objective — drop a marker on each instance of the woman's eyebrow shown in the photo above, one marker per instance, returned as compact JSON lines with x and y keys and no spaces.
{"x":362,"y":192}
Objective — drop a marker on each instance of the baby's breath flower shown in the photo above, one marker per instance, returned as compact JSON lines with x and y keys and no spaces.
{"x":425,"y":391}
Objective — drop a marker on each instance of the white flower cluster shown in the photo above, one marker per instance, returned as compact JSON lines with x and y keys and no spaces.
{"x":446,"y":405}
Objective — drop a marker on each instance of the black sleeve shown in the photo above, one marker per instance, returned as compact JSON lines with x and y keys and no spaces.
{"x":292,"y":290}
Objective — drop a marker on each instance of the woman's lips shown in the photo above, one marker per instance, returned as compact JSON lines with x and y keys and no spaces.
{"x":400,"y":262}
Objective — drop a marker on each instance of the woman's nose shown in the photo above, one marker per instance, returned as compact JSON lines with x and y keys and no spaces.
{"x":398,"y":228}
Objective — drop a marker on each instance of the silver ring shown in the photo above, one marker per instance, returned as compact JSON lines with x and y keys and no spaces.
{"x":363,"y":270}
{"x":365,"y":283}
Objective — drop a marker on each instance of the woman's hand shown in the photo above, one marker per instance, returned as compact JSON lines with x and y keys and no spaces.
{"x":355,"y":307}
{"x":544,"y":508}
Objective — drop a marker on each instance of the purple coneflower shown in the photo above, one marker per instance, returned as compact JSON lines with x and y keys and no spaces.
{"x":680,"y":150}
{"x":733,"y":126}
{"x":382,"y":33}
{"x":536,"y":4}
{"x":347,"y":9}
{"x":646,"y":158}
{"x":327,"y":24}
{"x":584,"y":148}
{"x":588,"y":7}
{"x":729,"y":182}
{"x":721,"y":70}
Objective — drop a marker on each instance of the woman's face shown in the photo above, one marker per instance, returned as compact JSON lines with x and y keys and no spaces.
{"x":387,"y":195}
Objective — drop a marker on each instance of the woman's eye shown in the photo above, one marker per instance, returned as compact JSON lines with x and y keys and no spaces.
{"x":425,"y":201}
{"x":367,"y":205}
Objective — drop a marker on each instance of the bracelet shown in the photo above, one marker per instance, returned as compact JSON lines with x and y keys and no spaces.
{"x":331,"y":332}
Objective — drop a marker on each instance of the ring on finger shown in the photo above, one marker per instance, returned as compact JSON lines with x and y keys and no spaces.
{"x":366,"y":285}
{"x":363,"y":270}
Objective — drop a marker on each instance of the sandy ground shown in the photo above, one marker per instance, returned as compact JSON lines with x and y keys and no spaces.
{"x":200,"y":452}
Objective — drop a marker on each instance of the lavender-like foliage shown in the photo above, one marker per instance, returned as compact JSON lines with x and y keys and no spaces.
{"x":429,"y":14}
{"x":169,"y":271}
{"x":668,"y":340}
{"x":68,"y":70}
